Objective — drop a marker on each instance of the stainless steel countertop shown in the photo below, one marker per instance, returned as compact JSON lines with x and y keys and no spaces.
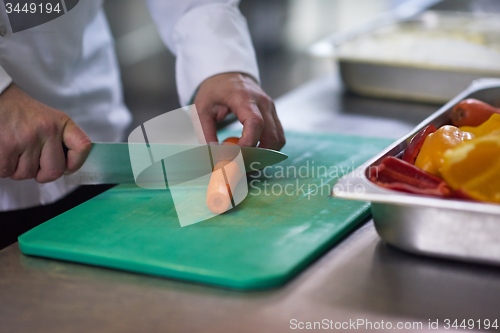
{"x":360,"y":278}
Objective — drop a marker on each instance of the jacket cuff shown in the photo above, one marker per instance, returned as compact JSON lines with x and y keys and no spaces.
{"x":211,"y":40}
{"x":5,"y":80}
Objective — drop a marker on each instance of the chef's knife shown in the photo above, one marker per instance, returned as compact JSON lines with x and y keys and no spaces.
{"x":109,"y":163}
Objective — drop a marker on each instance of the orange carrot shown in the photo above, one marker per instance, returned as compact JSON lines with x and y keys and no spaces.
{"x":472,"y":112}
{"x":231,"y":140}
{"x":219,"y":191}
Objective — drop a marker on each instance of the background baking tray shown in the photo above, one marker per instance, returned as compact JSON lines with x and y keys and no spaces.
{"x":416,"y":54}
{"x":429,"y":58}
{"x":468,"y":231}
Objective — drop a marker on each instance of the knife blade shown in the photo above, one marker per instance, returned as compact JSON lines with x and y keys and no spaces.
{"x":109,"y":163}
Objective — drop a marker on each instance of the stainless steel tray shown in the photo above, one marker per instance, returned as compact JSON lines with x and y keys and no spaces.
{"x":406,"y":82}
{"x":468,"y":231}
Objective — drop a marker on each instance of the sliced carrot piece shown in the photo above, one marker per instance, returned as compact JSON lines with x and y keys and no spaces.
{"x":225,"y":176}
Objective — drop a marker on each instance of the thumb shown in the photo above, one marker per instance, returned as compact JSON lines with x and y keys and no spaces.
{"x":78,"y":144}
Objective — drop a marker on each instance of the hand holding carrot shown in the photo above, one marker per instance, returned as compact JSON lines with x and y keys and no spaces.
{"x":240,"y":94}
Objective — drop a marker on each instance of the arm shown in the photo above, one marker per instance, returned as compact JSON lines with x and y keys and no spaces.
{"x":215,"y":55}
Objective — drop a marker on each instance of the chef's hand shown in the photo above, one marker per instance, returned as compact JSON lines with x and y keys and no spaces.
{"x":241,"y":95}
{"x":32,"y":136}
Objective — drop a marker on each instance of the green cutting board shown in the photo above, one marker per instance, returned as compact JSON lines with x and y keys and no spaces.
{"x":261,"y":243}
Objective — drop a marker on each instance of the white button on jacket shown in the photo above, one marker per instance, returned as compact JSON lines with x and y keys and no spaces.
{"x":69,"y":64}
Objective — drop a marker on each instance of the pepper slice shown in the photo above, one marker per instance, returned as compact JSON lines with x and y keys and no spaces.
{"x":395,"y":174}
{"x":490,"y":126}
{"x":474,"y":168}
{"x":430,"y":158}
{"x":411,"y":152}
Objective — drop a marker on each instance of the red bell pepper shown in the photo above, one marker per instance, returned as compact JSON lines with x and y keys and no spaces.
{"x":395,"y":174}
{"x":411,"y":152}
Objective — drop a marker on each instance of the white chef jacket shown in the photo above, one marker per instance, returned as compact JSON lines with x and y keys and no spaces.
{"x":69,"y":63}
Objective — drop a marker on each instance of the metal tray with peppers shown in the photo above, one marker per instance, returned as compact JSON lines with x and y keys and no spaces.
{"x":435,"y":201}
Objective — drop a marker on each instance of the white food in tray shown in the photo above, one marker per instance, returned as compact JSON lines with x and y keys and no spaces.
{"x":444,"y":41}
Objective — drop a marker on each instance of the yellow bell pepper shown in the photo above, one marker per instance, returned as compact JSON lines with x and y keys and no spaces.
{"x":490,"y":126}
{"x":474,"y":167}
{"x":430,"y":157}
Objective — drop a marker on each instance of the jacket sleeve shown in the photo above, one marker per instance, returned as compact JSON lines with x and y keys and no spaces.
{"x":208,"y":37}
{"x":5,"y":80}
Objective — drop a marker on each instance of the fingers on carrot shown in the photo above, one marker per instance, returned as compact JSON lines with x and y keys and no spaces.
{"x":471,"y":112}
{"x":225,"y":177}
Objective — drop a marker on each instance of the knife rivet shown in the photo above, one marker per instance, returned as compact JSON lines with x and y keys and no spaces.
{"x":3,"y":30}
